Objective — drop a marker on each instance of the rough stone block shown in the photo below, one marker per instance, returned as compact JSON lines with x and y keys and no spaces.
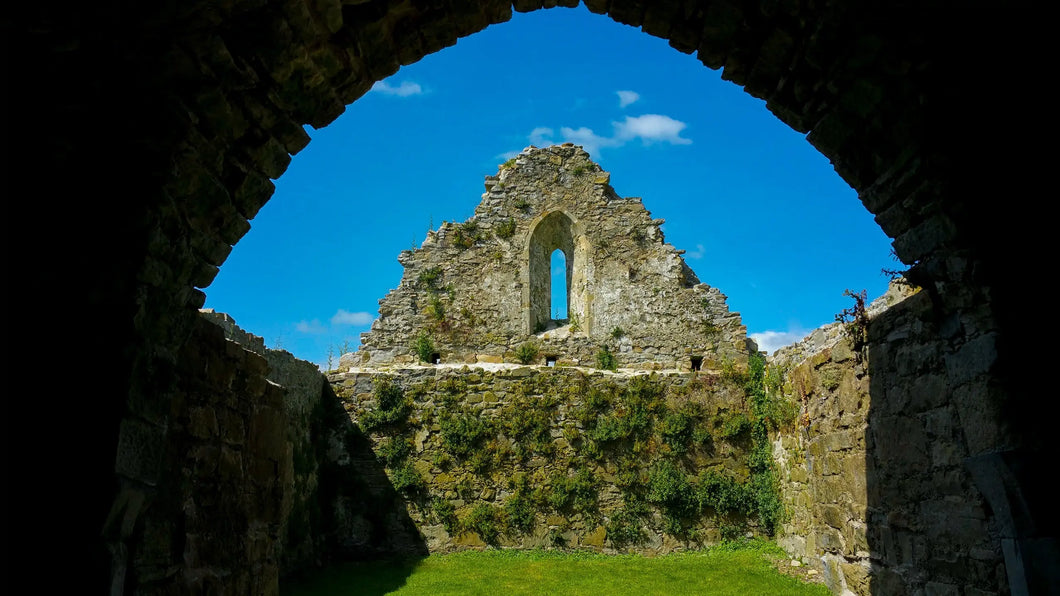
{"x":140,"y":450}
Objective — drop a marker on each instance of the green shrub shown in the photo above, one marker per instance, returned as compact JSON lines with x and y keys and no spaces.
{"x":578,"y":492}
{"x":605,"y":359}
{"x":485,"y":521}
{"x":526,"y":352}
{"x":435,"y":307}
{"x":467,"y":234}
{"x":445,"y":513}
{"x":735,"y":425}
{"x":617,"y":333}
{"x":430,"y":277}
{"x":463,"y":434}
{"x":668,"y":486}
{"x":676,"y":430}
{"x":394,"y":450}
{"x":442,"y":460}
{"x":528,"y":422}
{"x":506,"y":229}
{"x":407,"y":480}
{"x":423,"y":346}
{"x":723,"y":494}
{"x":519,"y":508}
{"x":392,"y":407}
{"x":623,"y":527}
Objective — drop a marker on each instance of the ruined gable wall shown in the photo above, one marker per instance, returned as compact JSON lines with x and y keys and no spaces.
{"x":471,"y":285}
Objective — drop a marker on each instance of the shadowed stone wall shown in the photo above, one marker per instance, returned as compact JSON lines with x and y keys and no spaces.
{"x":875,"y":476}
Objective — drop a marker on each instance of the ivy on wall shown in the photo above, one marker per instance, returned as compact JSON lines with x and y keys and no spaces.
{"x":558,"y":440}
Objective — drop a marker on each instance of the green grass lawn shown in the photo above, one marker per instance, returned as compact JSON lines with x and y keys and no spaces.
{"x":739,"y":572}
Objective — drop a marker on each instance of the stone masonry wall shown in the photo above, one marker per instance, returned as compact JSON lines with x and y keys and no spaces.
{"x":535,"y":456}
{"x":878,"y":495}
{"x":479,"y":288}
{"x":215,"y":526}
{"x":337,"y":501}
{"x":302,"y":385}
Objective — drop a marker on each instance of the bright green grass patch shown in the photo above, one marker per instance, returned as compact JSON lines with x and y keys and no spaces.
{"x":723,"y":571}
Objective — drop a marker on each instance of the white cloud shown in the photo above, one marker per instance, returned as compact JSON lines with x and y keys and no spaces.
{"x":405,"y":89}
{"x":697,"y":253}
{"x":314,"y":327}
{"x":650,"y":128}
{"x":344,"y":317}
{"x":508,"y":154}
{"x":771,"y":341}
{"x":589,"y":140}
{"x":541,"y":136}
{"x":627,"y":97}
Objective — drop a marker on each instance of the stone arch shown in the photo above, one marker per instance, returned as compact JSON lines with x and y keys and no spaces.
{"x":202,"y":104}
{"x":550,"y":231}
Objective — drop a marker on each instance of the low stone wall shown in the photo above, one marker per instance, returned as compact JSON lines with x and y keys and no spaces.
{"x":534,"y":456}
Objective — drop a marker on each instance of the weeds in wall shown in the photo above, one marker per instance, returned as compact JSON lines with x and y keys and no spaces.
{"x":445,"y":513}
{"x":423,"y":346}
{"x":392,"y":408}
{"x":463,"y":433}
{"x":467,"y":234}
{"x":605,"y":359}
{"x":644,"y":436}
{"x":406,"y":480}
{"x":485,"y":520}
{"x":506,"y":229}
{"x":520,"y":509}
{"x":855,"y":319}
{"x":527,"y":352}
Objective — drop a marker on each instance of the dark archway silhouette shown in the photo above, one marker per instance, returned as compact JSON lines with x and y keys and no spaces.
{"x":178,"y":115}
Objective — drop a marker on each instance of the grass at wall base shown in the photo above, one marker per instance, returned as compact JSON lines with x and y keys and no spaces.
{"x":722,"y":570}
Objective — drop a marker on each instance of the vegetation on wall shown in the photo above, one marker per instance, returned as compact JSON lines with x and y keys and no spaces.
{"x":527,"y":352}
{"x":657,"y":443}
{"x":467,"y":234}
{"x":423,"y":346}
{"x":506,"y":229}
{"x":855,"y":319}
{"x":391,"y":406}
{"x":605,"y":359}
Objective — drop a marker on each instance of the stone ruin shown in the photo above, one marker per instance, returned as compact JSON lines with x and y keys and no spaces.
{"x":476,"y":291}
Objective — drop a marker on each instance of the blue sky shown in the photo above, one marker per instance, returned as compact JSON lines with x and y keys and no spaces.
{"x":761,"y":214}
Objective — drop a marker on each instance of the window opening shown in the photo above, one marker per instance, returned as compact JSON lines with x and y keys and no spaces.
{"x":436,"y":358}
{"x":697,"y":363}
{"x":550,"y":361}
{"x":559,"y":285}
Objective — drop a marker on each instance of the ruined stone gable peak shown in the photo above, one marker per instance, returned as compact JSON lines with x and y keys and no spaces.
{"x":481,"y":289}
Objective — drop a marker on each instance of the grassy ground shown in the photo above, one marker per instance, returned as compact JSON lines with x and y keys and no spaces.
{"x":740,"y":572}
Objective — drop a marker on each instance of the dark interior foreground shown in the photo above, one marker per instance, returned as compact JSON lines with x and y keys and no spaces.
{"x":147,"y":135}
